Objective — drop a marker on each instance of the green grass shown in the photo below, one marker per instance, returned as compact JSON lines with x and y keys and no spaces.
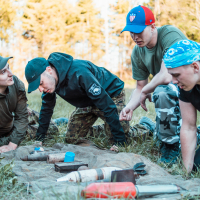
{"x":146,"y":148}
{"x":8,"y":184}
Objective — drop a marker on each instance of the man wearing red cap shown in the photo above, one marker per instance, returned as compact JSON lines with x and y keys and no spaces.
{"x":146,"y":58}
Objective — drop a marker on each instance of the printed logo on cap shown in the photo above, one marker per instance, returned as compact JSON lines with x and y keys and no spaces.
{"x":132,"y":17}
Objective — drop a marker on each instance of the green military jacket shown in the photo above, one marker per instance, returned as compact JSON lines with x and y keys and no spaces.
{"x":13,"y":112}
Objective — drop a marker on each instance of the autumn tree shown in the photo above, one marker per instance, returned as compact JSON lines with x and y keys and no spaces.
{"x":60,"y":26}
{"x":184,"y":15}
{"x":90,"y":31}
{"x":7,"y":20}
{"x":124,"y":41}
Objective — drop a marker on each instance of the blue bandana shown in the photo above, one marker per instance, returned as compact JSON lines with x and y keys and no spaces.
{"x":184,"y":52}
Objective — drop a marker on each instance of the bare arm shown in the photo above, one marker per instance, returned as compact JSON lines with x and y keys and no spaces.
{"x":162,"y":78}
{"x":188,"y":134}
{"x":134,"y":102}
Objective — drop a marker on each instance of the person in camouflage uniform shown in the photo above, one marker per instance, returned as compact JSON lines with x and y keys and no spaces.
{"x":151,"y":44}
{"x":182,"y":61}
{"x":93,"y":90}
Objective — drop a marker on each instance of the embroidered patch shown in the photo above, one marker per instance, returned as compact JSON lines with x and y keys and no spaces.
{"x":132,"y":17}
{"x":95,"y":89}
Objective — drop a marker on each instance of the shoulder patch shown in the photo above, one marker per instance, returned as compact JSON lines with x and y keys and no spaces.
{"x":95,"y":89}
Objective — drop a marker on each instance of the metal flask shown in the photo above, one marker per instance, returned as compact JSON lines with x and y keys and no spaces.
{"x":150,"y":190}
{"x":39,"y":156}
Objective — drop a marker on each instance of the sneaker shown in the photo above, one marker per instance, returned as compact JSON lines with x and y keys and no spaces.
{"x":61,"y":121}
{"x":170,"y":152}
{"x":148,"y":123}
{"x":198,"y":134}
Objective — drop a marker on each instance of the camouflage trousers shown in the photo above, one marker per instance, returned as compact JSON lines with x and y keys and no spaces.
{"x":168,"y":116}
{"x":82,"y":119}
{"x":33,"y":125}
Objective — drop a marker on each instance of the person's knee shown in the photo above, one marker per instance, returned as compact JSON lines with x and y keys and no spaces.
{"x":74,"y":132}
{"x":125,"y":125}
{"x":71,"y":137}
{"x":162,"y":96}
{"x":164,"y":92}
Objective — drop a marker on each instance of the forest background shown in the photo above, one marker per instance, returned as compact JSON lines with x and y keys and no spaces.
{"x":32,"y":28}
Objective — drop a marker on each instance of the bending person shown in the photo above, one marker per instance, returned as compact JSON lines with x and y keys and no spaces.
{"x":183,"y":62}
{"x":146,"y":59}
{"x":93,"y":90}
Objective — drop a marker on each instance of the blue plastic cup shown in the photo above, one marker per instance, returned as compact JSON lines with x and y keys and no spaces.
{"x":38,"y":149}
{"x":69,"y":157}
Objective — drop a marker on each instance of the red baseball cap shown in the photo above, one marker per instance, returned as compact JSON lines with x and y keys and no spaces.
{"x":138,"y":19}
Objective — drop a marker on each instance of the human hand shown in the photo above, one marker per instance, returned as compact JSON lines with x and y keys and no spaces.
{"x":126,"y":114}
{"x":143,"y":98}
{"x":11,"y":146}
{"x":114,"y":148}
{"x":38,"y":143}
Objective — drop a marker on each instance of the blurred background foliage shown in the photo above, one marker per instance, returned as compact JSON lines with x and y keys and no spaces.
{"x":31,"y":28}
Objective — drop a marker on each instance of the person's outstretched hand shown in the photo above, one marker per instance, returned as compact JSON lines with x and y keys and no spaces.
{"x":114,"y":148}
{"x":143,"y":98}
{"x":38,"y":143}
{"x":5,"y":148}
{"x":126,"y":114}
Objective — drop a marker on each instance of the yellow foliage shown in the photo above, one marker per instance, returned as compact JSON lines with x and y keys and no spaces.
{"x":59,"y":26}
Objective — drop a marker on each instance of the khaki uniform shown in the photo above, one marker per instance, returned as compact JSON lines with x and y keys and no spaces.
{"x":13,"y":113}
{"x":33,"y":125}
{"x":15,"y":120}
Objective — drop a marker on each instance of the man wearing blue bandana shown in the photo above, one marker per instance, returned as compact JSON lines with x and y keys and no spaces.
{"x":146,"y":59}
{"x":183,"y":62}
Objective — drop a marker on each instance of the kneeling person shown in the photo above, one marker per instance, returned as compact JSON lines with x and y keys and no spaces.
{"x":183,"y":62}
{"x":94,"y":91}
{"x":13,"y":108}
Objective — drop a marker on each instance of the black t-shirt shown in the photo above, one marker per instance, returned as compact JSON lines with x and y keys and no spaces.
{"x":192,"y":96}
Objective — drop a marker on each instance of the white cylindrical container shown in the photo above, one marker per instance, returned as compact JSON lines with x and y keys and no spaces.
{"x":89,"y":175}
